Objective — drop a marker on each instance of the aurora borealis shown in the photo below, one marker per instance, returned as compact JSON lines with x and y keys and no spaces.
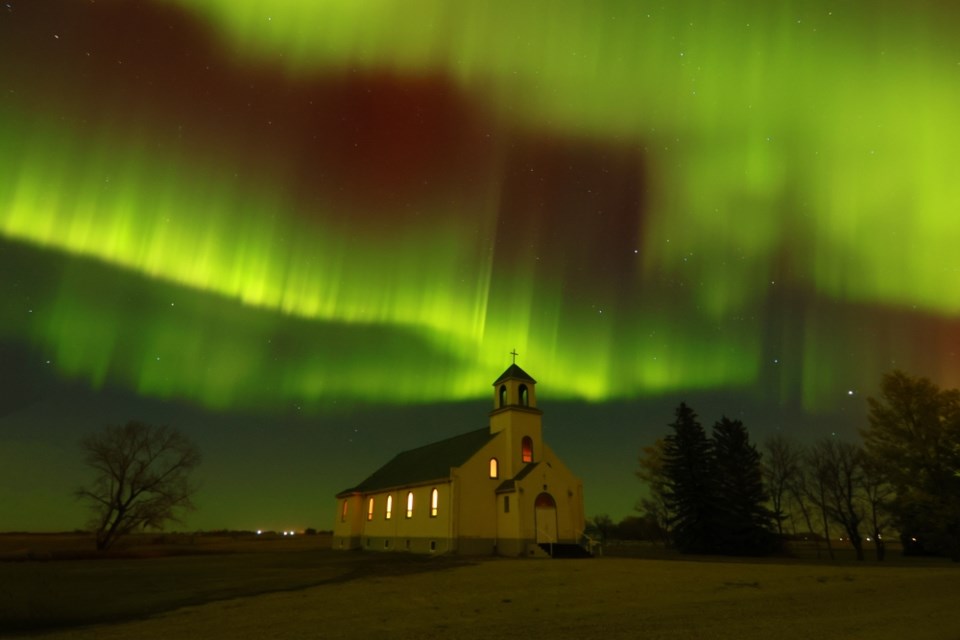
{"x":299,"y":217}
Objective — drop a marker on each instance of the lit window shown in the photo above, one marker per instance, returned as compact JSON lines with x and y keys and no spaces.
{"x":410,"y":504}
{"x":526,"y":449}
{"x":370,"y":509}
{"x":494,"y":468}
{"x":389,"y":511}
{"x":524,"y":397}
{"x":506,"y":504}
{"x":434,"y":503}
{"x":343,"y":512}
{"x":503,"y":395}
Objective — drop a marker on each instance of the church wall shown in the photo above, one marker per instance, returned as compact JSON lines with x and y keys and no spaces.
{"x":569,"y":501}
{"x":511,"y":547}
{"x":527,"y":522}
{"x":553,"y":477}
{"x":470,"y":546}
{"x":508,"y":525}
{"x":400,"y":533}
{"x":475,"y":528}
{"x":515,"y":423}
{"x":348,"y":525}
{"x":409,"y":544}
{"x":379,"y":526}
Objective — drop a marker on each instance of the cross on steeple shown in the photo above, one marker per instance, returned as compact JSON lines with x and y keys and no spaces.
{"x":514,"y":354}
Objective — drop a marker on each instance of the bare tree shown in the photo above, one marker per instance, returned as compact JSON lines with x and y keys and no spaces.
{"x":142,"y":478}
{"x":799,"y":489}
{"x":815,"y":482}
{"x":781,"y":466}
{"x":878,"y":493}
{"x":603,"y":524}
{"x":651,"y":472}
{"x":840,"y":466}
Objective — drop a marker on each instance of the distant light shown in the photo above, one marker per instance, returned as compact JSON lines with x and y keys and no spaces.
{"x":259,"y":531}
{"x":850,"y":392}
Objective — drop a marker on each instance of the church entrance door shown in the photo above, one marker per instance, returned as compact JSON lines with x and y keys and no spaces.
{"x":545,"y":509}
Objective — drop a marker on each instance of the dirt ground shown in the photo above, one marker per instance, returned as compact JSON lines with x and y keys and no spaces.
{"x":598,"y":598}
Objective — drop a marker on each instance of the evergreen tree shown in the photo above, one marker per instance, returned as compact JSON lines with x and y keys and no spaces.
{"x":689,"y":493}
{"x":744,"y":524}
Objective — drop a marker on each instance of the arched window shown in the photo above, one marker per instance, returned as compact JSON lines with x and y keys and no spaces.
{"x":389,"y":511}
{"x":526,"y":449}
{"x":524,"y":396}
{"x":370,"y":508}
{"x":343,"y":512}
{"x":494,"y":468}
{"x":503,"y":395}
{"x":434,"y":503}
{"x":410,"y":504}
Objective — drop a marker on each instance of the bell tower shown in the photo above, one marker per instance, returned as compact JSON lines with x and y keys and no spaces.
{"x":515,"y":413}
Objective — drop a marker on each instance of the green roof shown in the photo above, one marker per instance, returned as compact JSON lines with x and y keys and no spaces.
{"x":513,"y":371}
{"x":430,"y":462}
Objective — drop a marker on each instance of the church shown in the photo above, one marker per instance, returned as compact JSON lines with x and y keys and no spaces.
{"x":499,"y":490}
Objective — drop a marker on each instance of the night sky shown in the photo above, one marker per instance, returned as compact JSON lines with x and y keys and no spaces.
{"x":308,"y":234}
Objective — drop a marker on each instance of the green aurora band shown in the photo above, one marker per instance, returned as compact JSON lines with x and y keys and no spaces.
{"x":788,"y":147}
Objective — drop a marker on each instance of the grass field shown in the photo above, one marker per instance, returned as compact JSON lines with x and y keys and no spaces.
{"x":208,"y":587}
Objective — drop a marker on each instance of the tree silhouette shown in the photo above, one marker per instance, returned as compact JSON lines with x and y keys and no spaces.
{"x":913,"y":439}
{"x":781,"y":470}
{"x":799,"y":474}
{"x":815,"y":487}
{"x":603,"y":524}
{"x":841,"y":473}
{"x":877,"y":494}
{"x":689,"y":493}
{"x":655,"y":506}
{"x":743,"y":522}
{"x":142,"y":478}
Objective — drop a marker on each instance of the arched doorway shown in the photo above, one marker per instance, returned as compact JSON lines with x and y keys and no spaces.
{"x":545,"y":510}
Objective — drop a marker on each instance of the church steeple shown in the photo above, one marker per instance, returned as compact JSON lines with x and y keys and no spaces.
{"x":515,"y":387}
{"x":515,"y":413}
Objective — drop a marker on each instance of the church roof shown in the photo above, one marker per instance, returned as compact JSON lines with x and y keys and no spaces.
{"x":429,"y":462}
{"x":509,"y":485}
{"x":513,"y":371}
